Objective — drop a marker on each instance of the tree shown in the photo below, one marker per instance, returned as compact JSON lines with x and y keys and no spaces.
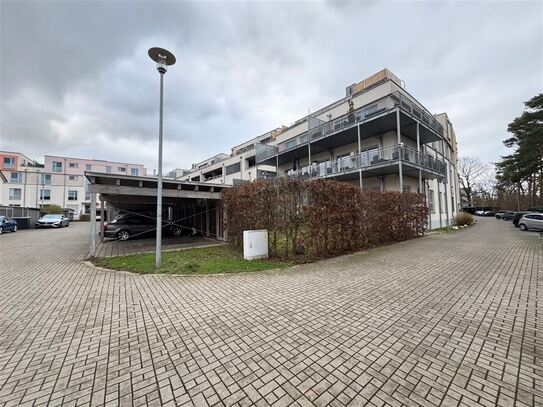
{"x":523,"y":169}
{"x":471,"y":171}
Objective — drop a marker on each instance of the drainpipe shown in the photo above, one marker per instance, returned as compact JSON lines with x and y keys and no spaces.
{"x":359,"y":158}
{"x":400,"y":149}
{"x":439,"y":204}
{"x":419,"y":157}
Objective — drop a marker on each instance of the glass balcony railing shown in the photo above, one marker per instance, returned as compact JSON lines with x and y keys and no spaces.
{"x":350,"y":119}
{"x":372,"y":158}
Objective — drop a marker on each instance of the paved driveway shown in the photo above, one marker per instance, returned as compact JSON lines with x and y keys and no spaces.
{"x":445,"y":320}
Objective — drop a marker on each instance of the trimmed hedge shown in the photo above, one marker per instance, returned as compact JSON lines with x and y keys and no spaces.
{"x":322,"y":218}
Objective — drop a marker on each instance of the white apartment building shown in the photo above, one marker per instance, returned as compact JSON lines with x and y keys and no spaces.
{"x":377,"y":136}
{"x":59,"y":181}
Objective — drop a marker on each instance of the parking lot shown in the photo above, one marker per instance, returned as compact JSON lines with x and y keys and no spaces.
{"x":452,"y":319}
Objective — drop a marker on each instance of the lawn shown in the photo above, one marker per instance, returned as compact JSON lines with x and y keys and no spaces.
{"x":205,"y":260}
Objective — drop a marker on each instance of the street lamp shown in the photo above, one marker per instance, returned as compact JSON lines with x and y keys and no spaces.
{"x":163,"y":58}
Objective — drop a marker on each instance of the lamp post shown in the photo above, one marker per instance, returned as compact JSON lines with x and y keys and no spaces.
{"x":163,"y":58}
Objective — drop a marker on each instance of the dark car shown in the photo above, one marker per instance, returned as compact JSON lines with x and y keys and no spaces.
{"x":7,"y":225}
{"x":125,"y":227}
{"x":508,"y":215}
{"x":518,"y":216}
{"x":52,"y":221}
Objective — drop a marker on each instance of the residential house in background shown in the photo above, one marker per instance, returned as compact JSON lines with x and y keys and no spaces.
{"x":59,"y":181}
{"x":377,"y":136}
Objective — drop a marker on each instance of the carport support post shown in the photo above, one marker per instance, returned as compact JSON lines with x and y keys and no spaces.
{"x":400,"y":149}
{"x":92,"y":224}
{"x":101,"y":219}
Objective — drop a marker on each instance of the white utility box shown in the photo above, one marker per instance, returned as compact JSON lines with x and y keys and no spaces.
{"x":255,"y":244}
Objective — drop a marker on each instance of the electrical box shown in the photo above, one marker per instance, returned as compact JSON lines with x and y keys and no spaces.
{"x":255,"y":244}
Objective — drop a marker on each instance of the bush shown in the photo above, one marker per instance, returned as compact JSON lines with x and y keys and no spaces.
{"x":52,"y":209}
{"x":321,"y":218}
{"x":464,"y":219}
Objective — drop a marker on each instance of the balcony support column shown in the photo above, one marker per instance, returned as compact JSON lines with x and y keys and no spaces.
{"x":359,"y":158}
{"x":102,"y":215}
{"x":92,"y":251}
{"x":419,"y":157}
{"x":400,"y":151}
{"x":439,"y":203}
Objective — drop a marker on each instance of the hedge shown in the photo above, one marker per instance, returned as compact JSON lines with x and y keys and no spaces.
{"x":322,"y":218}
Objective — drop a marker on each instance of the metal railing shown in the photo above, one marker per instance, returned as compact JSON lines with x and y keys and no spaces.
{"x":396,"y":99}
{"x":371,"y":158}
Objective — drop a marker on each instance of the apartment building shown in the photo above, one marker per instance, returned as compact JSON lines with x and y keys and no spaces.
{"x":377,"y":136}
{"x":59,"y":181}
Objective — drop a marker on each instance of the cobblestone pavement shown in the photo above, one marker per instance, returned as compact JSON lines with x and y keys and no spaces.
{"x":447,"y":320}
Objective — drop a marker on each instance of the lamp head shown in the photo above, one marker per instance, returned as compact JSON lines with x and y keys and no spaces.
{"x":162,"y":57}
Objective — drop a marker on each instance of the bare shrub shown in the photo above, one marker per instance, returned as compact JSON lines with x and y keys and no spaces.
{"x":464,"y":219}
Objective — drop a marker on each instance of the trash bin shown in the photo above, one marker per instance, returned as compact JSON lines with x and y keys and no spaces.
{"x":23,"y":222}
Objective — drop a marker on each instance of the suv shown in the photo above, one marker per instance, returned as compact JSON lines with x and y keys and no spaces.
{"x":531,"y":221}
{"x":509,"y":215}
{"x":132,"y":225}
{"x":499,"y":214}
{"x":519,"y":215}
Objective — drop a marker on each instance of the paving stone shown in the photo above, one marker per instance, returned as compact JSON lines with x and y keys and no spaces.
{"x":445,"y":320}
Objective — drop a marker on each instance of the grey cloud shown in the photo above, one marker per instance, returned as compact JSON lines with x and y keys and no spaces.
{"x":78,"y":80}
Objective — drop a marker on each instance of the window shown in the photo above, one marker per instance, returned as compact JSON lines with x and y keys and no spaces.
{"x":15,"y":194}
{"x":72,"y":195}
{"x":73,"y":177}
{"x":134,"y":172}
{"x":88,"y":167}
{"x":73,"y":165}
{"x":57,"y":166}
{"x":45,"y":194}
{"x":121,"y":169}
{"x":290,"y":144}
{"x":232,"y":169}
{"x":108,"y":169}
{"x":46,"y":179}
{"x":9,"y":162}
{"x":431,"y":201}
{"x":16,"y":178}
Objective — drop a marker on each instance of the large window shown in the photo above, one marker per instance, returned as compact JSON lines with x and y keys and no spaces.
{"x":15,"y":194}
{"x":46,"y":179}
{"x":9,"y":162}
{"x":88,"y":167}
{"x":431,"y":201}
{"x":72,"y":195}
{"x":45,"y":194}
{"x":134,"y":172}
{"x":232,"y":169}
{"x":57,"y":166}
{"x":16,"y":178}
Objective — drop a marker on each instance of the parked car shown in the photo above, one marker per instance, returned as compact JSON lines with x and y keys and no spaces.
{"x":480,"y":213}
{"x":7,"y":225}
{"x":519,"y":215}
{"x":509,"y":215}
{"x":127,"y":226}
{"x":488,"y":213}
{"x":499,"y":214}
{"x":52,"y":221}
{"x":531,"y":221}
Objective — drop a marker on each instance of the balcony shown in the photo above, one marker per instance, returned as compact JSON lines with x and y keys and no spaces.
{"x":376,"y":162}
{"x":374,"y":118}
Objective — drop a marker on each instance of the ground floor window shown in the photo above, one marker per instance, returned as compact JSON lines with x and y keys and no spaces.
{"x":45,"y":194}
{"x":72,"y":195}
{"x":15,"y":194}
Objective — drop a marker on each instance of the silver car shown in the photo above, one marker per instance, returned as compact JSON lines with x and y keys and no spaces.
{"x":52,"y":221}
{"x":531,"y":221}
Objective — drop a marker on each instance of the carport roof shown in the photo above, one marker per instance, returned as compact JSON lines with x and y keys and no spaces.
{"x":118,"y":184}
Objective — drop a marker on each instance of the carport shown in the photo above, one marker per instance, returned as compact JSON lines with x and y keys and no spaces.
{"x":195,"y":207}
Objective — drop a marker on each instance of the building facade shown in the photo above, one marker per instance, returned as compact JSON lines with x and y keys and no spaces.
{"x":58,"y":181}
{"x":377,"y":136}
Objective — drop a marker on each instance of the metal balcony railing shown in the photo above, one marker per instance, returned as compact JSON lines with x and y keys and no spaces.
{"x":351,"y":119}
{"x":376,"y":157}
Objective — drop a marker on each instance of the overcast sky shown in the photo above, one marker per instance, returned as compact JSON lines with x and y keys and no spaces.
{"x":76,"y":79}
